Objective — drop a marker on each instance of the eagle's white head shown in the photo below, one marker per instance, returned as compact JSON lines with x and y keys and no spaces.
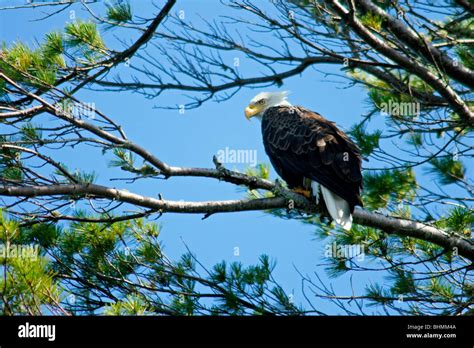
{"x":265,"y":100}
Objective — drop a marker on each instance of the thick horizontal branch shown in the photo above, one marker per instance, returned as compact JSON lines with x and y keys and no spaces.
{"x":415,"y":229}
{"x":388,"y":224}
{"x":402,"y":227}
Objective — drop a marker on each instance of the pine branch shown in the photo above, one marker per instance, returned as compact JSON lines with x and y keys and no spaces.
{"x":387,"y":224}
{"x":454,"y":69}
{"x":402,"y":227}
{"x":411,"y":65}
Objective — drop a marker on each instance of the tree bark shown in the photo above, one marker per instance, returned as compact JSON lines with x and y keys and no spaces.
{"x":291,"y":200}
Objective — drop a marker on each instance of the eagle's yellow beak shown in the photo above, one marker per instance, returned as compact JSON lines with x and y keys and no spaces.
{"x":251,"y":111}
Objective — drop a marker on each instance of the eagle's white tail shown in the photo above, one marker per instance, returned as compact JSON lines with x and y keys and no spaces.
{"x":337,"y":207}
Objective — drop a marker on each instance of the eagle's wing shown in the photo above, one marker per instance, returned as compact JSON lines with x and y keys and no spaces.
{"x":301,"y":143}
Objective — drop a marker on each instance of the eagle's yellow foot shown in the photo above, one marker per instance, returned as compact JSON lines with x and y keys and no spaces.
{"x":302,"y":191}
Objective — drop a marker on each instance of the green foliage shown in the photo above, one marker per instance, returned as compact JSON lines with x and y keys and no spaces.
{"x":10,"y":162}
{"x":447,"y":169}
{"x":358,"y":235}
{"x":29,"y":285}
{"x":379,"y":294}
{"x":466,"y":55}
{"x":66,"y":105}
{"x":119,"y":12}
{"x":133,"y":304}
{"x":11,"y":173}
{"x":402,"y":211}
{"x":397,"y":104}
{"x":337,"y":267}
{"x":459,"y":220}
{"x":383,"y":187}
{"x":54,"y":44}
{"x":80,"y":33}
{"x":126,"y":258}
{"x":372,"y":20}
{"x":3,"y":86}
{"x":45,"y":235}
{"x":84,"y":177}
{"x":366,"y":141}
{"x":85,"y":37}
{"x":53,"y":48}
{"x":38,"y":67}
{"x":404,"y":285}
{"x":77,"y":176}
{"x":126,"y":161}
{"x":415,"y":139}
{"x":41,"y":63}
{"x":461,"y":29}
{"x":30,"y":132}
{"x":441,"y":288}
{"x":120,"y":268}
{"x":403,"y":282}
{"x":427,"y":249}
{"x":27,"y":281}
{"x":21,"y":56}
{"x":9,"y":230}
{"x":261,"y":171}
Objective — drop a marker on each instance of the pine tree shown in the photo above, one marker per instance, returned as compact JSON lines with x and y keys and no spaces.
{"x":60,"y":256}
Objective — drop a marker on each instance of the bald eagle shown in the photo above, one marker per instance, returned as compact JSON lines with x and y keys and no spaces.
{"x":311,"y":154}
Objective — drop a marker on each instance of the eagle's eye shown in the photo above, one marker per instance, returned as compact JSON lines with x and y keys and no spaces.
{"x":261,"y":102}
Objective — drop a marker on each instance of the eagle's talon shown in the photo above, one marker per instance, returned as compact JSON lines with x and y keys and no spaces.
{"x":302,"y":191}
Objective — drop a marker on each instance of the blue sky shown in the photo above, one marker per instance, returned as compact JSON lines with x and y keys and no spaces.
{"x":191,"y":139}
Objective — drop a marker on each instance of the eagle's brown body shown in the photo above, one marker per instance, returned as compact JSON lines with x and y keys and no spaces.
{"x":303,"y":146}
